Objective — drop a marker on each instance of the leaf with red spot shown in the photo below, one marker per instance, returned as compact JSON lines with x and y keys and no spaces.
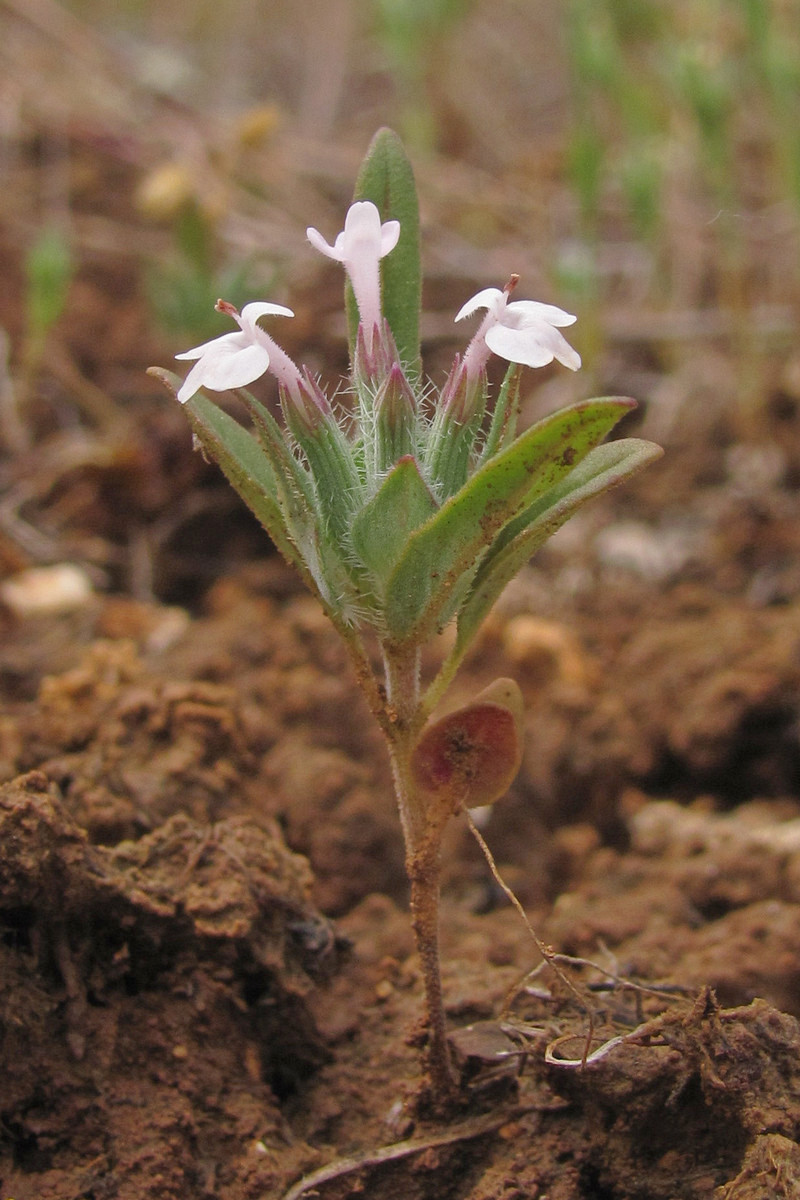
{"x":470,"y":756}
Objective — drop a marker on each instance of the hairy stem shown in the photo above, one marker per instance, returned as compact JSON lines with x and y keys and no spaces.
{"x":423,"y":870}
{"x":422,"y":841}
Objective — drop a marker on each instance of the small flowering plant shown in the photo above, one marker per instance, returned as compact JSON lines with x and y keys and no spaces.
{"x":412,"y":511}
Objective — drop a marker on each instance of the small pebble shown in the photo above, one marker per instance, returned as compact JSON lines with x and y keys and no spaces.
{"x":39,"y":590}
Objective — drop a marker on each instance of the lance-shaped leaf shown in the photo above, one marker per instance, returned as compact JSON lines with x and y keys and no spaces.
{"x":295,"y":489}
{"x":470,"y":756}
{"x":381,"y":530}
{"x":504,"y":417}
{"x":387,"y":179}
{"x":246,"y":467}
{"x":249,"y":470}
{"x":451,"y":541}
{"x":603,"y":468}
{"x":302,"y":506}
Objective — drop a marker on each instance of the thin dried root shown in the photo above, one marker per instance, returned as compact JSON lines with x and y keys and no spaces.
{"x":548,"y":954}
{"x":373,"y":1158}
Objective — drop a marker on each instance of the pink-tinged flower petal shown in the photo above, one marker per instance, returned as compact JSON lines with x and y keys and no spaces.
{"x":483,"y":299}
{"x":533,"y":310}
{"x":360,"y":246}
{"x":362,"y":230}
{"x":237,"y":339}
{"x":525,"y":331}
{"x":363,"y":235}
{"x":319,"y":243}
{"x":390,"y":236}
{"x":225,"y":365}
{"x":236,"y":359}
{"x":262,"y":308}
{"x":532,"y":345}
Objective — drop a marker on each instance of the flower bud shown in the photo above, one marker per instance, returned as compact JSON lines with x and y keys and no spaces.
{"x":463,"y":394}
{"x":458,"y":418}
{"x":395,"y":420}
{"x":374,"y":356}
{"x":305,"y":406}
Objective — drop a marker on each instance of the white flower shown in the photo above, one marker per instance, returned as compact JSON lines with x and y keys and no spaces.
{"x":360,"y":246}
{"x":524,"y":331}
{"x":235,"y":359}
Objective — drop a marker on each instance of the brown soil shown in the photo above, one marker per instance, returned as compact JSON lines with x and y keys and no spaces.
{"x":191,"y":800}
{"x":208,"y":985}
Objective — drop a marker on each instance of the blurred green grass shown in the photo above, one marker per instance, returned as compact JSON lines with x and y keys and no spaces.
{"x":636,"y":160}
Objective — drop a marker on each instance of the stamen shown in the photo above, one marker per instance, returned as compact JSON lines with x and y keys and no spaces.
{"x":230,"y":310}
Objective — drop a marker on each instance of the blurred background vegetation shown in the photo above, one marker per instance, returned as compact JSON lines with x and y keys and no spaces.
{"x":635,"y":161}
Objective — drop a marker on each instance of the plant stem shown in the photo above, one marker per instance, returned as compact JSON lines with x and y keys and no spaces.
{"x":422,"y":832}
{"x":401,"y":725}
{"x":423,"y":870}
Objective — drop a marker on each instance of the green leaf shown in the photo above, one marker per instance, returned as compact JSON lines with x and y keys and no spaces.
{"x":304,"y":506}
{"x":449,"y":451}
{"x":382,"y":528}
{"x":387,"y":179}
{"x":245,"y":465}
{"x":333,"y":464}
{"x":602,"y":468}
{"x":295,"y":489}
{"x":276,"y":489}
{"x":506,"y":411}
{"x":249,"y":471}
{"x":451,"y":541}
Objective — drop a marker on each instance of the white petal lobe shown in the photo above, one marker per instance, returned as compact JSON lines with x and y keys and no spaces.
{"x":482,"y":299}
